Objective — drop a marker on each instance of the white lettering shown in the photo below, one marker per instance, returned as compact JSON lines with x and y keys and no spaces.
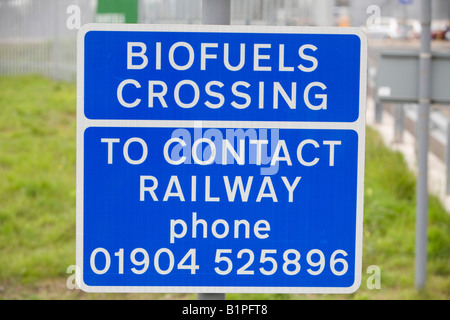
{"x":323,"y":104}
{"x":276,"y":154}
{"x":120,"y":96}
{"x":150,"y":190}
{"x":140,"y":54}
{"x":160,"y":95}
{"x":225,"y":231}
{"x":214,"y":94}
{"x":110,"y":142}
{"x":240,"y":158}
{"x":178,"y":193}
{"x":267,"y":182}
{"x":231,"y":193}
{"x":240,"y":95}
{"x":308,"y":58}
{"x":194,"y":151}
{"x":281,"y":66}
{"x":208,"y":191}
{"x":226,"y":59}
{"x":204,"y":55}
{"x":257,"y":229}
{"x":258,"y":149}
{"x":220,"y":228}
{"x":299,"y":152}
{"x":177,"y":94}
{"x":166,"y":151}
{"x":291,"y":188}
{"x":172,"y":54}
{"x":291,"y":102}
{"x":257,"y":57}
{"x":332,"y":144}
{"x":173,"y":234}
{"x":144,"y":151}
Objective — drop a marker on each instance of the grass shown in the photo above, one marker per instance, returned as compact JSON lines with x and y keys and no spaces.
{"x":389,"y":228}
{"x":37,"y":166}
{"x":37,"y":207}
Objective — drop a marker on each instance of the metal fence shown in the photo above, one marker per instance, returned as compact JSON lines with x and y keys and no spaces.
{"x":36,"y":36}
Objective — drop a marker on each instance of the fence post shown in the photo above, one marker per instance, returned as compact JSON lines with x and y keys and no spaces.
{"x":378,"y":112}
{"x":399,"y":123}
{"x":216,"y":12}
{"x":447,"y":159}
{"x":423,"y":135}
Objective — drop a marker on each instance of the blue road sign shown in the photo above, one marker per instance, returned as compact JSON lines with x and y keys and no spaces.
{"x":220,"y":159}
{"x":227,"y":76}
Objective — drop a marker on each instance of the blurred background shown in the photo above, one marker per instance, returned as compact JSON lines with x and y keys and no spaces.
{"x":35,"y":36}
{"x":38,"y":145}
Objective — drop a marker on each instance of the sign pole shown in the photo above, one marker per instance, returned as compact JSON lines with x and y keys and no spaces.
{"x":423,"y":143}
{"x":215,"y":12}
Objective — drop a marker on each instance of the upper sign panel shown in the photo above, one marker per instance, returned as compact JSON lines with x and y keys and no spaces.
{"x":222,"y":73}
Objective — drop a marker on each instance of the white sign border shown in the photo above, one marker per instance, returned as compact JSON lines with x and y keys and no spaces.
{"x":83,"y":123}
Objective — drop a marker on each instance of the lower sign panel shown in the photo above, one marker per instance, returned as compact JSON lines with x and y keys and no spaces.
{"x":220,"y":210}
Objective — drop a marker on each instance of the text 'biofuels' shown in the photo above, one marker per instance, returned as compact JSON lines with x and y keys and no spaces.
{"x":221,"y":59}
